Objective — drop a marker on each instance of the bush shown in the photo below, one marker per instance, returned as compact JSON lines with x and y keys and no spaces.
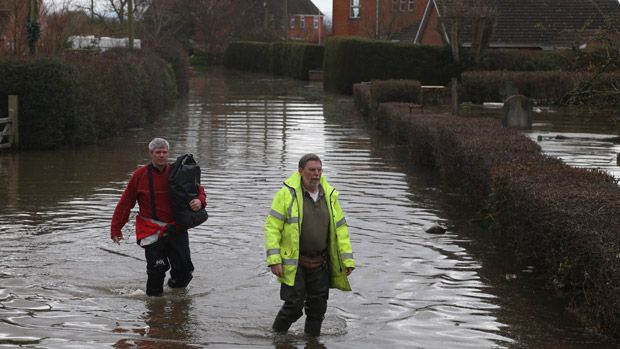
{"x":248,"y":56}
{"x":351,"y":60}
{"x":177,"y":57}
{"x":82,"y":97}
{"x":525,"y":60}
{"x":382,"y":91}
{"x":47,"y":93}
{"x":292,"y":59}
{"x":546,"y":87}
{"x":563,"y":220}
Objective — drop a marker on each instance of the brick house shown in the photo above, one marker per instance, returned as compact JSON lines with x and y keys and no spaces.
{"x":533,"y":24}
{"x":388,"y":19}
{"x":305,"y":21}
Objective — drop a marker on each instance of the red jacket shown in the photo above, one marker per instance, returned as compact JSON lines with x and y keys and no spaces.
{"x":138,"y":190}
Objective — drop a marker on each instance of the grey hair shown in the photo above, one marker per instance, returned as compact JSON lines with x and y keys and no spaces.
{"x":309,"y":157}
{"x":158,"y":143}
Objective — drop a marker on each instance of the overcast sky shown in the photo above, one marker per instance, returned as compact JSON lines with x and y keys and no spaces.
{"x":325,"y":6}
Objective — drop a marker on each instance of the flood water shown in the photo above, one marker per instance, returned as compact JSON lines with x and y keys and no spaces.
{"x":64,"y":284}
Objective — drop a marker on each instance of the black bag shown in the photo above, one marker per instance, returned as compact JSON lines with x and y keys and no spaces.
{"x":184,"y":181}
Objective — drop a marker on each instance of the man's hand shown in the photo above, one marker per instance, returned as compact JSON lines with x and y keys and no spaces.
{"x":349,"y":270}
{"x":195,"y":204}
{"x":117,"y":239}
{"x":276,"y":269}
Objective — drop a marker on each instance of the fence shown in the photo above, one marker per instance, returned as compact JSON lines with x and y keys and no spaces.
{"x":9,"y":126}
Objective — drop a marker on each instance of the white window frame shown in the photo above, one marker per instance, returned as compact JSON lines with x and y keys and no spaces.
{"x":410,"y":5}
{"x":302,"y":22}
{"x":355,"y":5}
{"x":317,"y":21}
{"x":292,"y":22}
{"x":403,"y":5}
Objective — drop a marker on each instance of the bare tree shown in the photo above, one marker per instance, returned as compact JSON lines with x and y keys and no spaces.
{"x":477,"y":16}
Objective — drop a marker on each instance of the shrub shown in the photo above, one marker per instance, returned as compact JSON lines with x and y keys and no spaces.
{"x":563,"y":220}
{"x":351,"y":60}
{"x":525,"y":60}
{"x":547,"y":87}
{"x":47,"y":95}
{"x":293,"y":59}
{"x":177,"y":57}
{"x":382,"y":91}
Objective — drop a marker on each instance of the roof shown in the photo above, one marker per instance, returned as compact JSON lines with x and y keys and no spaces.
{"x":305,"y":7}
{"x":296,"y":7}
{"x":541,"y":23}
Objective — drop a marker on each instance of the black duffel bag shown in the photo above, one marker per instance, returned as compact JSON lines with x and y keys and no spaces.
{"x":184,"y":181}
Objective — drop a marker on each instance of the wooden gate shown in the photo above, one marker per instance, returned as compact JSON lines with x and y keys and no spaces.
{"x":9,"y":127}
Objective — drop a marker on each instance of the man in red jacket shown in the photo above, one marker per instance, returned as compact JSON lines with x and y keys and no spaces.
{"x":166,"y":246}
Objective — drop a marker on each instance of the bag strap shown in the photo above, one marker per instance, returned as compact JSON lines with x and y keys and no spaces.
{"x":153,"y":211}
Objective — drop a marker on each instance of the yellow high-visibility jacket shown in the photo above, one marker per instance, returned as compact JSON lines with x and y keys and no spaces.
{"x":283,"y":227}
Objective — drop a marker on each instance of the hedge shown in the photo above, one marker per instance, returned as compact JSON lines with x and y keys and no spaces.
{"x":546,"y":87}
{"x":349,"y":60}
{"x":82,"y":97}
{"x":292,"y":59}
{"x":561,"y":219}
{"x":47,"y":91}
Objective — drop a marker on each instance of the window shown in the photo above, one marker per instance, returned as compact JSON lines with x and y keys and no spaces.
{"x":355,"y":11}
{"x":302,"y":22}
{"x":402,"y":5}
{"x":292,"y":22}
{"x":317,"y":21}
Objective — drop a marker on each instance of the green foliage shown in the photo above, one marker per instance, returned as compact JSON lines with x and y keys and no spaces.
{"x":249,"y":56}
{"x":47,"y":93}
{"x":293,"y":59}
{"x":525,"y":60}
{"x":563,"y":220}
{"x":382,"y":91}
{"x":351,"y":60}
{"x":176,"y":56}
{"x":546,"y":87}
{"x":84,"y":97}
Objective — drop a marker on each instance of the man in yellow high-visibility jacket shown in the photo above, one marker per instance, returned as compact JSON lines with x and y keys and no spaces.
{"x":308,"y":246}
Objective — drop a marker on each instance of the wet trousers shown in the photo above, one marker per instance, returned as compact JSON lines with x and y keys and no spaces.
{"x":170,"y":252}
{"x":309,"y":293}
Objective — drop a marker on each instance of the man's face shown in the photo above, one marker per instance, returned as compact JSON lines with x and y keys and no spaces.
{"x":311,"y":174}
{"x":159,"y":157}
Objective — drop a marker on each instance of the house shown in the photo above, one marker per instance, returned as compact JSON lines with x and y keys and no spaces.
{"x":533,"y":24}
{"x":305,"y":21}
{"x":387,"y":19}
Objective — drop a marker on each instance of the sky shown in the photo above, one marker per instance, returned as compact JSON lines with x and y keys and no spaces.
{"x":325,"y":6}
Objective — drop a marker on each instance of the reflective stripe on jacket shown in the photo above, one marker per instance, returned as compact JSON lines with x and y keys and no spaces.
{"x":283,"y":227}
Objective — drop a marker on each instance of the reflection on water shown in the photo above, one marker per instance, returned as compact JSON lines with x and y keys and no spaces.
{"x":64,"y":284}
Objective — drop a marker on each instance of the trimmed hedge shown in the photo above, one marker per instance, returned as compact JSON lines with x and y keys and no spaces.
{"x":546,"y":87}
{"x":350,"y":60}
{"x":82,"y":97}
{"x":526,"y":60}
{"x":562,"y":219}
{"x":369,"y":95}
{"x":292,"y":59}
{"x":47,"y":91}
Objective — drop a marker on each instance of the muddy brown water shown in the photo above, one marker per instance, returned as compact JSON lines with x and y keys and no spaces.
{"x":64,"y":284}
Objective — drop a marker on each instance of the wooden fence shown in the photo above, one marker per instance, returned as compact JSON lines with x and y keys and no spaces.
{"x":9,"y":126}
